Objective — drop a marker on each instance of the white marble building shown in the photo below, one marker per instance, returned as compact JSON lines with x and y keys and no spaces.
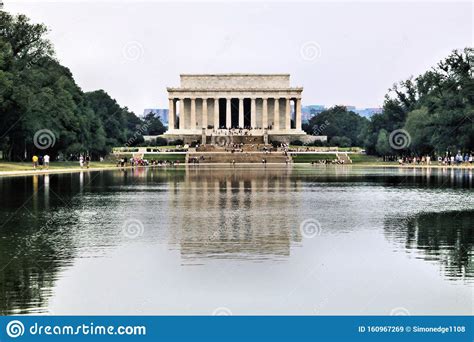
{"x":211,"y":104}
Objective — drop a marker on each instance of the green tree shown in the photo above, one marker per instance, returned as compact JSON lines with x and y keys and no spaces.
{"x":382,"y":146}
{"x":435,"y":108}
{"x":38,"y":94}
{"x":339,"y":123}
{"x":154,"y":125}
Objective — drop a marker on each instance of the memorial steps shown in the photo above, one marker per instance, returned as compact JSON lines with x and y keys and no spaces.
{"x":237,"y":157}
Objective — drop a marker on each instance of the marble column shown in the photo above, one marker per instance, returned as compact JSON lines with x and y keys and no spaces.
{"x":253,"y":113}
{"x":181,"y":113}
{"x":228,"y":113}
{"x":298,"y":114}
{"x":288,"y":113}
{"x":265,"y":113}
{"x":171,"y":114}
{"x":204,"y":113}
{"x":241,"y":113}
{"x":193,"y":113}
{"x":276,"y":124}
{"x":216,"y":113}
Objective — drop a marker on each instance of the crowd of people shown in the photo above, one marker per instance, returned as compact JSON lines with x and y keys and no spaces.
{"x":137,"y":161}
{"x":329,"y":161}
{"x":448,"y":159}
{"x":43,"y":161}
{"x":242,"y":131}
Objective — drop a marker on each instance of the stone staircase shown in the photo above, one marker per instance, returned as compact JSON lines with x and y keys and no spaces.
{"x":238,"y":157}
{"x":343,"y":158}
{"x":228,"y":148}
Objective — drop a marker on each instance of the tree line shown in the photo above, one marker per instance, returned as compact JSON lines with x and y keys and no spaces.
{"x":42,"y":107}
{"x":430,"y":114}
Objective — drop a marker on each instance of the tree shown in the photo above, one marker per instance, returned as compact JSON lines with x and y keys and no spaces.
{"x":435,"y":108}
{"x":38,"y":95}
{"x":340,"y":141}
{"x":154,"y":125}
{"x":341,"y":123}
{"x":382,"y":146}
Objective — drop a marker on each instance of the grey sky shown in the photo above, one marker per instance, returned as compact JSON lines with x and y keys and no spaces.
{"x":134,"y":50}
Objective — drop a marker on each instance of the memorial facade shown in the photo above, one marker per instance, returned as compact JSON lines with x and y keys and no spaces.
{"x":206,"y":105}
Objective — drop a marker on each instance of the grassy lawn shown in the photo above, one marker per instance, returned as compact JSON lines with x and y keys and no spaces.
{"x":356,"y":158}
{"x":170,"y":157}
{"x":163,"y":147}
{"x":363,"y":158}
{"x":308,"y":158}
{"x":326,"y":148}
{"x":23,"y":166}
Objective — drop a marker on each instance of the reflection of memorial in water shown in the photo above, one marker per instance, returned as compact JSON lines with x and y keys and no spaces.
{"x":446,"y":238}
{"x":215,"y":210}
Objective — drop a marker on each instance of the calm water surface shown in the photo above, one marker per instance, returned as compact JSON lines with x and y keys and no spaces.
{"x":275,"y":240}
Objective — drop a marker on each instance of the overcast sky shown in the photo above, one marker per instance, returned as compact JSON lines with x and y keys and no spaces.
{"x":341,"y":53}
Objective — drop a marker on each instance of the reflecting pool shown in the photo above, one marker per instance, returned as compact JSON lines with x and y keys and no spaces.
{"x":310,"y":240}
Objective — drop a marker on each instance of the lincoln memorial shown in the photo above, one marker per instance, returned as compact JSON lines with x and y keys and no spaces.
{"x":206,"y":105}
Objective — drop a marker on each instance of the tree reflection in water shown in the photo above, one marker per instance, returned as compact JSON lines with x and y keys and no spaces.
{"x":446,"y":238}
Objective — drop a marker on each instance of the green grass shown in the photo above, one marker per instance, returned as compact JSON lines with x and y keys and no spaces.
{"x":170,"y":157}
{"x":24,"y":166}
{"x":363,"y":158}
{"x":349,"y":149}
{"x":308,"y":158}
{"x":356,"y":158}
{"x":327,"y":148}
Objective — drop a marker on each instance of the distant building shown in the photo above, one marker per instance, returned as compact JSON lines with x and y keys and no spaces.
{"x":307,"y":112}
{"x":163,"y":114}
{"x":368,"y":112}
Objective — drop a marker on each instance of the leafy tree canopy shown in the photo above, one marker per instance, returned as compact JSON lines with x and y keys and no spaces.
{"x":342,"y":127}
{"x":435,"y":110}
{"x":39,"y":95}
